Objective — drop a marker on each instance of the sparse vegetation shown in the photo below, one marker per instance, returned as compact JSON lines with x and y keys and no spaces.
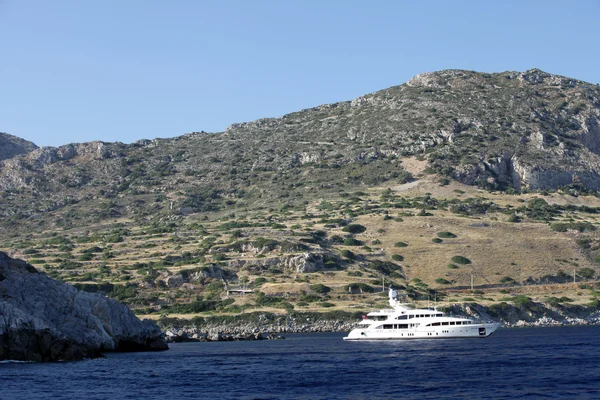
{"x":168,"y":225}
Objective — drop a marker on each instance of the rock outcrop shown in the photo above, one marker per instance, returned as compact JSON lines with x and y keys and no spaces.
{"x":11,"y":146}
{"x":45,"y":320}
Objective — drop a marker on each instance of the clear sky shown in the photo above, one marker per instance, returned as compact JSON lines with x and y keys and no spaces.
{"x":123,"y":70}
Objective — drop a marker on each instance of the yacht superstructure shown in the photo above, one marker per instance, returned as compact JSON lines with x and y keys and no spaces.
{"x":404,"y":322}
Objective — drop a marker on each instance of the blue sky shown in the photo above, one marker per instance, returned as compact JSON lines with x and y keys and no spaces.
{"x":123,"y":70}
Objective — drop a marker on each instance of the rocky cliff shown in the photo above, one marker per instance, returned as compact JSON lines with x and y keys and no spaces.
{"x":44,"y":320}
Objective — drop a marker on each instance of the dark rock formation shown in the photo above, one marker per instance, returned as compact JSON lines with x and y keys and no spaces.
{"x":44,"y":320}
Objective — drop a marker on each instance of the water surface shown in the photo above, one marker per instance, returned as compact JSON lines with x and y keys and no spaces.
{"x":552,"y":363}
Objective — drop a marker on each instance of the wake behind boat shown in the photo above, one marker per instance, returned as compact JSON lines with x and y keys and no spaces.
{"x":403,"y":322}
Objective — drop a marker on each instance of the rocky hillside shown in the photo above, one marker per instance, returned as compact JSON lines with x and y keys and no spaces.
{"x":510,"y":131}
{"x":453,"y":179}
{"x":11,"y":146}
{"x":44,"y":320}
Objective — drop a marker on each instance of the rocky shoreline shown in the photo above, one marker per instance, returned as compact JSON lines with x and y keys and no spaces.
{"x":42,"y":319}
{"x":269,"y":326}
{"x":195,"y":335}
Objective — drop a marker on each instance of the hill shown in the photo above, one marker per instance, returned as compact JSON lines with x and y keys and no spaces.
{"x":452,"y":178}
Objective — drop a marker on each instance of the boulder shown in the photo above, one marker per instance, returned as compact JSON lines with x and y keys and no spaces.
{"x":42,"y":319}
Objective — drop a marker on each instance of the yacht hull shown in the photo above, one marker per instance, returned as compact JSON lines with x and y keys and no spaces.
{"x":445,"y":332}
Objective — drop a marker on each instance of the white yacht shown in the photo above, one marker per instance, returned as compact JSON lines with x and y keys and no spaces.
{"x":403,"y":322}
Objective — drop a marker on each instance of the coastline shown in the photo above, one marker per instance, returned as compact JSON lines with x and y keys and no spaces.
{"x":273,"y":326}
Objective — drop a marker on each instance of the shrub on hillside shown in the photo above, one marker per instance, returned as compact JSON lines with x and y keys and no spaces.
{"x":363,"y":287}
{"x":352,"y":242}
{"x":461,"y":260}
{"x":354,"y":228}
{"x":446,"y":235}
{"x":586,"y":273}
{"x":320,"y":288}
{"x":348,"y":254}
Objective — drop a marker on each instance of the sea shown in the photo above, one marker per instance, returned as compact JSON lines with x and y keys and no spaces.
{"x":532,"y":363}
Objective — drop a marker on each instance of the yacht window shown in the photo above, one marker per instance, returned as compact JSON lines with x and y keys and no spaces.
{"x":402,"y":317}
{"x":452,"y":322}
{"x":388,"y":326}
{"x":403,"y":326}
{"x":435,"y":324}
{"x":444,"y":323}
{"x":411,"y":316}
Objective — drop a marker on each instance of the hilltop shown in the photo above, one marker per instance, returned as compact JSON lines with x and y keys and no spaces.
{"x":451,"y":177}
{"x":11,"y":146}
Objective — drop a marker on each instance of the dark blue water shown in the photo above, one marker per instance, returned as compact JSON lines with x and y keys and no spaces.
{"x":553,"y":363}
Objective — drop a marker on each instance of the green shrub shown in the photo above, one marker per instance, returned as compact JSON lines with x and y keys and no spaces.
{"x":461,"y":260}
{"x":519,"y":300}
{"x":437,"y":240}
{"x":397,"y":257}
{"x":514,"y":218}
{"x":507,"y":280}
{"x":586,"y":273}
{"x":442,"y":281}
{"x":325,"y":304}
{"x":86,"y":257}
{"x":446,"y":235}
{"x":352,"y":242}
{"x":320,"y":288}
{"x":354,"y":228}
{"x":259,"y":281}
{"x":400,"y":244}
{"x":385,"y":267}
{"x":558,"y":300}
{"x":453,"y":266}
{"x":264,"y":300}
{"x":122,"y":293}
{"x":348,"y":254}
{"x":309,"y":298}
{"x":363,"y":287}
{"x":269,"y":244}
